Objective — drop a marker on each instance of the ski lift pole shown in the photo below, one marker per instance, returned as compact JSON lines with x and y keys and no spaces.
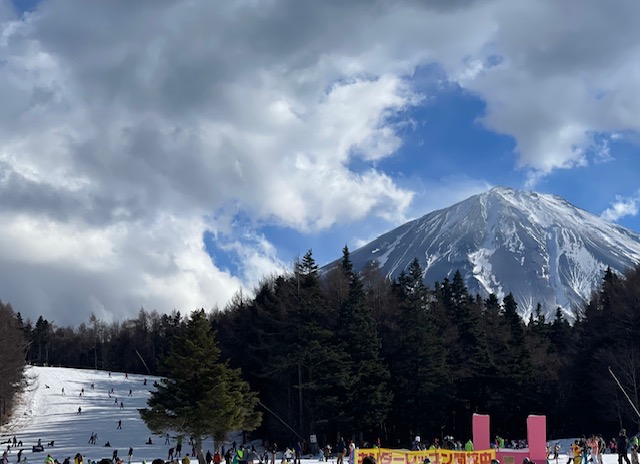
{"x":281,"y":420}
{"x":624,"y":391}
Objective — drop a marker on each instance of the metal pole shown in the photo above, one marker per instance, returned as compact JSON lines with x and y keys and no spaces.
{"x":281,"y":420}
{"x":623,"y":391}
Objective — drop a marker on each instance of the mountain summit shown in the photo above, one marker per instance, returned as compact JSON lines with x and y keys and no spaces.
{"x":537,"y":246}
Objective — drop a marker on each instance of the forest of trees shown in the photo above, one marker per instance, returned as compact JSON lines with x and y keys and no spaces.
{"x":355,"y":354}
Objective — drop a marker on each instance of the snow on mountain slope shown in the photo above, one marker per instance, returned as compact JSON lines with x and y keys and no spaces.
{"x":539,"y":247}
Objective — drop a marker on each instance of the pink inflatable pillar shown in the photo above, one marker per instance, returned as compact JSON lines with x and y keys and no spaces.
{"x":537,"y":438}
{"x":481,"y":432}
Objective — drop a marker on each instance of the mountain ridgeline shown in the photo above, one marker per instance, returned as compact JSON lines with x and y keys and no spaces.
{"x":538,"y":247}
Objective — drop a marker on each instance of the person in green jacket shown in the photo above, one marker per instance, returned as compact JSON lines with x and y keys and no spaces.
{"x":468,"y":446}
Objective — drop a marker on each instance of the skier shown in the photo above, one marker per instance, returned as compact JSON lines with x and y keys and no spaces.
{"x":79,"y":410}
{"x":121,"y":405}
{"x":340,"y":450}
{"x":130,"y":453}
{"x":352,"y":450}
{"x":297,"y":450}
{"x":119,"y":427}
{"x":179,"y":446}
{"x":622,"y":447}
{"x":20,"y":455}
{"x":170,"y":454}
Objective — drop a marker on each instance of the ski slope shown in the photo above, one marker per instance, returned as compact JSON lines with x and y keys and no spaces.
{"x":47,"y":414}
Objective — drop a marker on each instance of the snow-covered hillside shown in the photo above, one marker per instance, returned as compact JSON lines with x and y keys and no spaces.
{"x":538,"y":247}
{"x":46,"y":414}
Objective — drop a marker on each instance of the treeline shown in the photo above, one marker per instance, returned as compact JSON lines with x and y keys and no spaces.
{"x":355,"y":354}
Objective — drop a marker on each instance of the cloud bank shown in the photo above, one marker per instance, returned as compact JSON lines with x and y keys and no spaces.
{"x":130,"y":129}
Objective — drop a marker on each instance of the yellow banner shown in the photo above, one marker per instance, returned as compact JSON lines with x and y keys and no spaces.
{"x":436,"y":456}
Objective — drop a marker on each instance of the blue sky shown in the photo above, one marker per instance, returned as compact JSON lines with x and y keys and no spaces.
{"x":167,"y":155}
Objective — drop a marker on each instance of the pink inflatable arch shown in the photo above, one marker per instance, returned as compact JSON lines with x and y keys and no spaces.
{"x":536,"y":438}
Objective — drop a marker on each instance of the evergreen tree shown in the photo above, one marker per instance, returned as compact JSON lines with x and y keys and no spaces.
{"x":12,"y":359}
{"x":417,"y":360}
{"x":200,"y":396}
{"x":315,"y":359}
{"x":369,"y":399}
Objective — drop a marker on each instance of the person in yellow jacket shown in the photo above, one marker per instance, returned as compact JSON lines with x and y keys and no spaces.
{"x":186,"y":460}
{"x":576,"y":449}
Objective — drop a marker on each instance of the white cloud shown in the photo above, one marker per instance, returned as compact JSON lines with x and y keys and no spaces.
{"x":128,"y":129}
{"x":560,"y":80}
{"x":621,"y":207}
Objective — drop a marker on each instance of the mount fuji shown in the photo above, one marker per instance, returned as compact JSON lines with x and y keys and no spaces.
{"x":538,"y":247}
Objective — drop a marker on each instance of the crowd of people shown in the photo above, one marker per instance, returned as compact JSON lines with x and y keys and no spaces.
{"x":590,"y":450}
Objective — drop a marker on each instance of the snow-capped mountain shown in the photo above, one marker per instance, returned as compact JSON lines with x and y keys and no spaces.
{"x":539,"y":247}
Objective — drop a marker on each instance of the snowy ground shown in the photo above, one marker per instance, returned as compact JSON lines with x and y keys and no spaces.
{"x":47,"y":414}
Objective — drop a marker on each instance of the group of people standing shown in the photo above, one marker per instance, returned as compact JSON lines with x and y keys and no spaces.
{"x":586,"y":450}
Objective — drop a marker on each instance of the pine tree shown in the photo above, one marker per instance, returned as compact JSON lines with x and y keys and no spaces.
{"x":200,"y":396}
{"x":12,"y":359}
{"x":417,"y":360}
{"x":311,"y":352}
{"x":369,"y":400}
